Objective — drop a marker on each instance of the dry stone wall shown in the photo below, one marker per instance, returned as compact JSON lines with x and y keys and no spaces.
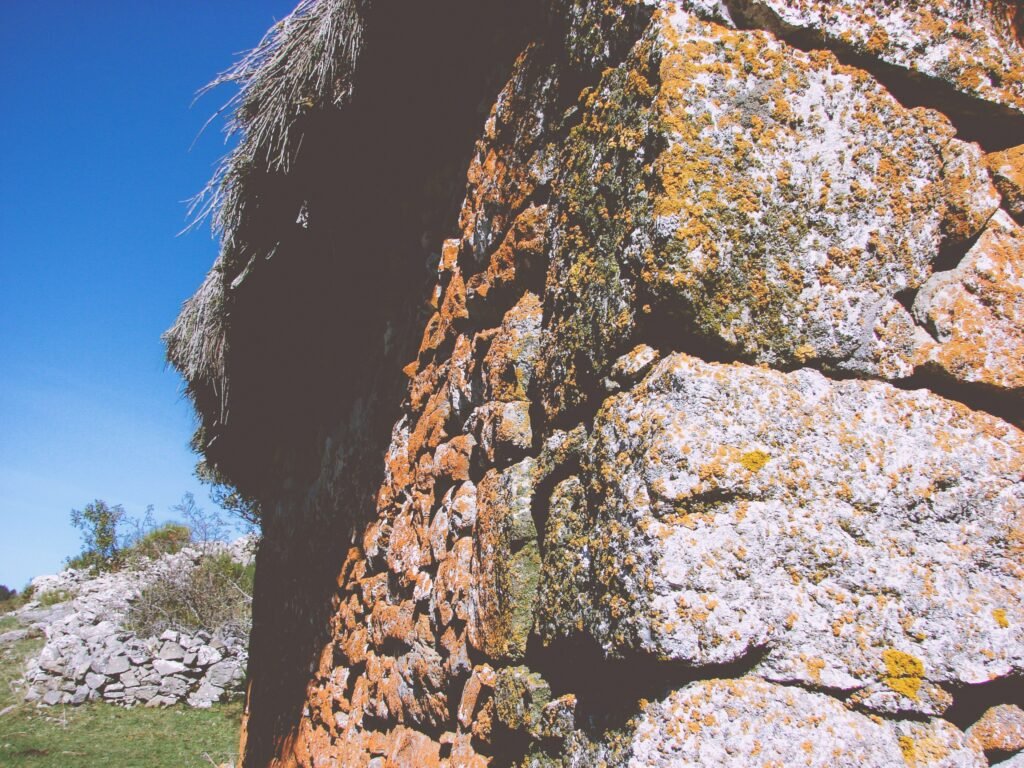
{"x":89,"y":655}
{"x":711,"y":453}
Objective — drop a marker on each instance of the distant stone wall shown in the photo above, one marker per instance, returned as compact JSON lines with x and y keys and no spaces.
{"x":89,"y":655}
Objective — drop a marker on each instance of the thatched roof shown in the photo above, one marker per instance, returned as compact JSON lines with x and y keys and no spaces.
{"x":302,"y":66}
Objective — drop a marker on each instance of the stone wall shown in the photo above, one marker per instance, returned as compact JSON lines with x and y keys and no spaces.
{"x":711,"y":452}
{"x":89,"y":655}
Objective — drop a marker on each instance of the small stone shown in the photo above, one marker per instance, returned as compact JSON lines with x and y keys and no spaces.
{"x":223,"y":673}
{"x":164,"y":667}
{"x":171,"y":651}
{"x":1000,"y":728}
{"x":206,"y":656}
{"x":115,"y":666}
{"x":94,"y":681}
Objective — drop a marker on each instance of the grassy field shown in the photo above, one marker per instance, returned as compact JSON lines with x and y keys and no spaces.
{"x":104,"y":735}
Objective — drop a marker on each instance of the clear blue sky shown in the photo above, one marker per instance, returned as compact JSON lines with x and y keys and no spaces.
{"x":95,"y":130}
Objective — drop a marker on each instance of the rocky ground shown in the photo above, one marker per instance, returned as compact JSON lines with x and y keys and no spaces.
{"x":90,"y":655}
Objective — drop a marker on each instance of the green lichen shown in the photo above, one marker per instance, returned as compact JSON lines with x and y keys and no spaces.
{"x":520,"y":696}
{"x":564,"y":603}
{"x":601,"y":200}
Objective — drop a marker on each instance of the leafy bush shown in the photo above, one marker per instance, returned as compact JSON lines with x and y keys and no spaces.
{"x":215,"y":595}
{"x":99,"y":523}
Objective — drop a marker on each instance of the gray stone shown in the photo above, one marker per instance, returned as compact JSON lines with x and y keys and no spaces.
{"x":129,"y":678}
{"x":171,"y":651}
{"x":145,"y":692}
{"x":205,"y":695}
{"x":116,"y":665}
{"x":80,"y":696}
{"x":52,"y":698}
{"x":164,"y":667}
{"x":223,"y":673}
{"x":206,"y":656}
{"x":174,"y":686}
{"x":94,"y":681}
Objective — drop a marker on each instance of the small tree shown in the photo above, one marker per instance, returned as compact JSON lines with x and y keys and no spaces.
{"x":98,"y":523}
{"x":6,"y":593}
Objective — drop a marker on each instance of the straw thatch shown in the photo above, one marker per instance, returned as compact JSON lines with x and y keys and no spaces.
{"x":302,"y":66}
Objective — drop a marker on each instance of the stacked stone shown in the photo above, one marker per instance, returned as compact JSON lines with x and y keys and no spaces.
{"x":98,"y":662}
{"x":90,"y":656}
{"x":712,"y":452}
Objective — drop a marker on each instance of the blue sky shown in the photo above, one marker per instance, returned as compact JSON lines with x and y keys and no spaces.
{"x":95,"y":163}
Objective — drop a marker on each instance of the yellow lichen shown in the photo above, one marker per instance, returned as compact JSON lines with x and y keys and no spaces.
{"x":754,"y":460}
{"x":903,"y":672}
{"x":908,"y":750}
{"x":999,"y":614}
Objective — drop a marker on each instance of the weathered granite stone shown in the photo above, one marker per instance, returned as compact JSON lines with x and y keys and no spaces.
{"x":1000,"y":728}
{"x":883,"y":563}
{"x":738,"y":723}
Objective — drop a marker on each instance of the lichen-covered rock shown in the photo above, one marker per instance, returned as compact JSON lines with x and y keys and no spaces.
{"x":717,"y":377}
{"x":857,"y":532}
{"x":976,"y":311}
{"x":1000,"y":728}
{"x":799,"y":198}
{"x":750,"y":722}
{"x":1007,"y":169}
{"x":506,"y":563}
{"x":970,"y":46}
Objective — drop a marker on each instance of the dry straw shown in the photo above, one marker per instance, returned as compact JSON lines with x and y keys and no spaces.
{"x":303,"y":65}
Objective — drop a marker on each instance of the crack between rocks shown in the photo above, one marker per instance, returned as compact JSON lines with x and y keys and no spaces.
{"x":993,"y":126}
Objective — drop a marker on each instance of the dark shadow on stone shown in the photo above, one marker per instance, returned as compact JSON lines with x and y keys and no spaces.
{"x":377,"y":185}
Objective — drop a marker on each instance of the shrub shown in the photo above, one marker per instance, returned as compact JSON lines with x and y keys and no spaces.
{"x":215,"y":595}
{"x":99,"y":524}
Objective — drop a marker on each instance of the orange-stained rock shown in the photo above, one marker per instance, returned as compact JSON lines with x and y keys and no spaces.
{"x":452,"y":459}
{"x":1000,"y":728}
{"x":503,"y":430}
{"x":451,"y":587}
{"x":977,"y":310}
{"x":409,"y":748}
{"x":481,"y":679}
{"x":506,"y":563}
{"x":511,"y":360}
{"x":1007,"y":169}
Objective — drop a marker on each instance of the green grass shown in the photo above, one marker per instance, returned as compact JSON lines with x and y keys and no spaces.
{"x":99,"y":734}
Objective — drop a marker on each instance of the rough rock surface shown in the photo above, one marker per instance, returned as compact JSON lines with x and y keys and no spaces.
{"x":882,"y":565}
{"x":89,"y":655}
{"x":710,"y":452}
